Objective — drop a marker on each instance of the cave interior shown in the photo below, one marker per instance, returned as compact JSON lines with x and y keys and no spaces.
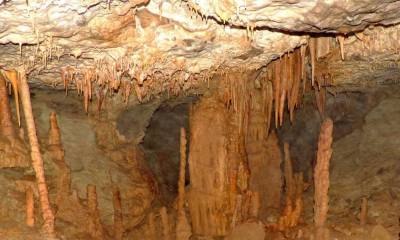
{"x":200,"y":119}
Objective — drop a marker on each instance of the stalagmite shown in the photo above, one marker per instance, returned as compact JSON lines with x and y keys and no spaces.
{"x":364,"y":211}
{"x":293,"y":208}
{"x":54,"y":135}
{"x":218,"y":174}
{"x":166,"y":228}
{"x":30,"y":207}
{"x":37,"y":161}
{"x":321,"y":173}
{"x":118,"y":221}
{"x":56,"y":151}
{"x":152,"y":232}
{"x":183,"y":231}
{"x":182,"y":168}
{"x":95,"y":226}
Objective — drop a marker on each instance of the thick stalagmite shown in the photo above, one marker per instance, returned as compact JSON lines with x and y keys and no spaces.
{"x":208,"y":168}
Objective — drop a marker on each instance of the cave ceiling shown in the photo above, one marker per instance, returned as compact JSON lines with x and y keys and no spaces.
{"x":167,"y":36}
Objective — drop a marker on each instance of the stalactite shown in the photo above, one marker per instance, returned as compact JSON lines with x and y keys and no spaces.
{"x":321,"y":173}
{"x":95,"y":227}
{"x":284,"y":87}
{"x":277,"y":87}
{"x":320,"y":99}
{"x":37,"y":161}
{"x":290,"y":73}
{"x":6,"y":125}
{"x":67,"y":75}
{"x":118,"y":221}
{"x":89,"y":76}
{"x":12,"y":76}
{"x":297,"y":61}
{"x":267,"y":97}
{"x":364,"y":212}
{"x":312,"y":47}
{"x":166,"y":228}
{"x":340,"y":39}
{"x":30,"y":207}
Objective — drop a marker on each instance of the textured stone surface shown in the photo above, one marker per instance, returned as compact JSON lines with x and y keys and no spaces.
{"x":300,"y":15}
{"x":171,"y":35}
{"x":364,"y":164}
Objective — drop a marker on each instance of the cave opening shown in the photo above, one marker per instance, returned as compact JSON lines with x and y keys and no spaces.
{"x":153,"y":119}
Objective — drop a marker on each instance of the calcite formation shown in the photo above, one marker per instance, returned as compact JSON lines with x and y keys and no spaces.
{"x":36,"y":156}
{"x":174,"y":38}
{"x":321,"y":174}
{"x":252,"y":64}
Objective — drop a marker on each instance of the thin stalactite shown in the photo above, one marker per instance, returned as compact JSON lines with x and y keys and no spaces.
{"x":6,"y":124}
